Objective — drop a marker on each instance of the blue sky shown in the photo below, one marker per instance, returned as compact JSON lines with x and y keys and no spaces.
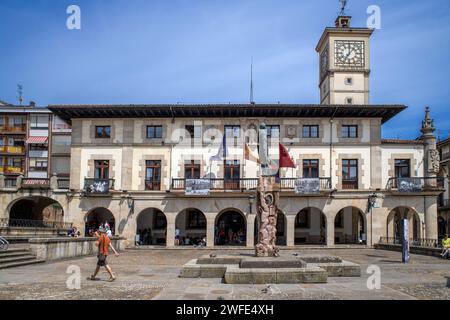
{"x":199,"y":51}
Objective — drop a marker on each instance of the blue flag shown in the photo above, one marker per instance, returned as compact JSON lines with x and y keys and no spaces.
{"x":223,"y":151}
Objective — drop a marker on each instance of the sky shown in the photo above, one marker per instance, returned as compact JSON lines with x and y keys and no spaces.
{"x":200,"y":51}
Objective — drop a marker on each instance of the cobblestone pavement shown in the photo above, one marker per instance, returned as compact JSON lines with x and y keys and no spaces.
{"x":153,"y":274}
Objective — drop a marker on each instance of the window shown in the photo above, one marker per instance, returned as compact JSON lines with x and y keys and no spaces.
{"x":302,"y":219}
{"x":17,"y":121}
{"x":16,"y":162}
{"x":37,"y":164}
{"x":310,"y":168}
{"x":349,"y":100}
{"x":59,"y":124}
{"x":191,"y":170}
{"x":159,"y":220}
{"x":195,"y":219}
{"x":193,"y":132}
{"x":231,"y":174}
{"x":349,"y":81}
{"x":103,"y":132}
{"x":233,"y":132}
{"x":154,"y":132}
{"x":61,"y":144}
{"x":60,"y":165}
{"x":38,"y":147}
{"x":349,"y":174}
{"x":311,"y":131}
{"x":102,"y":169}
{"x":349,"y":131}
{"x":402,"y":168}
{"x":39,"y":122}
{"x":273,"y":131}
{"x":153,"y":175}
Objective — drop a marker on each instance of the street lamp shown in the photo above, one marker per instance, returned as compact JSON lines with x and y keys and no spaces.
{"x":251,"y":201}
{"x":372,"y":202}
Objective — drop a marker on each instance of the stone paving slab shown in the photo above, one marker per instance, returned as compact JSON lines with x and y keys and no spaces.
{"x":153,"y":274}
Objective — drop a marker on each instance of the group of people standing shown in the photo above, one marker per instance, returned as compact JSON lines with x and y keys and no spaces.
{"x":229,"y":236}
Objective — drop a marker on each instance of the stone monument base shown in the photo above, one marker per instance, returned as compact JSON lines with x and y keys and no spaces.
{"x":241,"y":269}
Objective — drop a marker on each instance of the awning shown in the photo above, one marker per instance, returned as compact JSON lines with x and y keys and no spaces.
{"x":37,"y":140}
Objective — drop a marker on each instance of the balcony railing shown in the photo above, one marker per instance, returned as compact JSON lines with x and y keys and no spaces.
{"x":350,"y":184}
{"x":98,"y":186}
{"x":152,"y":185}
{"x":31,"y":183}
{"x":415,"y":184}
{"x":422,"y":242}
{"x":12,"y":149}
{"x":63,"y":183}
{"x":13,"y":170}
{"x":218,"y":184}
{"x":221,"y":184}
{"x":25,"y":223}
{"x":289,"y":183}
{"x":14,"y":129}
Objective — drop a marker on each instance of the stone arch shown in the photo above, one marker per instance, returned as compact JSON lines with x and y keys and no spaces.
{"x":35,"y":211}
{"x":97,"y":217}
{"x":310,"y":227}
{"x":394,"y":226}
{"x":350,"y":226}
{"x":230,"y":228}
{"x":151,"y":226}
{"x":192,"y":224}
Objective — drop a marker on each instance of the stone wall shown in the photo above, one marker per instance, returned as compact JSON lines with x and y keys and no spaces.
{"x":63,"y":248}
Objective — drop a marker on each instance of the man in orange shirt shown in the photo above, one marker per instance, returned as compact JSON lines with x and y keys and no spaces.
{"x":104,"y":243}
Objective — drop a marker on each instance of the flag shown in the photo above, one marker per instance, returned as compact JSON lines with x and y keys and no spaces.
{"x":250,"y":155}
{"x":223,"y":151}
{"x":285,"y":158}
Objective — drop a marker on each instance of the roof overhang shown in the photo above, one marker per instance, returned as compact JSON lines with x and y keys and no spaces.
{"x":69,"y":112}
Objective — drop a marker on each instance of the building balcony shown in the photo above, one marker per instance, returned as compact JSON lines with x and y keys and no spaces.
{"x":14,"y":129}
{"x":415,"y":184}
{"x":12,"y":149}
{"x":306,"y":186}
{"x":98,"y":186}
{"x":35,"y":183}
{"x":12,"y":170}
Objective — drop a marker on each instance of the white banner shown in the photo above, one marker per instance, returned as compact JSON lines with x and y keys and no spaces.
{"x":307,"y":186}
{"x":198,"y":187}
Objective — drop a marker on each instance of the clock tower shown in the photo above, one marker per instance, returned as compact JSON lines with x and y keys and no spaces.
{"x":344,"y":54}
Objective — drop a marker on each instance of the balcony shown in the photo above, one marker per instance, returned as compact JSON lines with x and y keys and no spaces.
{"x":98,"y":186}
{"x":63,"y":183}
{"x":12,"y":149}
{"x":415,"y":184}
{"x":35,"y":183}
{"x":14,"y":129}
{"x":445,"y":156}
{"x":12,"y":170}
{"x":220,"y":184}
{"x":151,"y":185}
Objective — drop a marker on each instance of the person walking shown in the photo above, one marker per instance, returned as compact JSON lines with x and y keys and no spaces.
{"x":445,"y":247}
{"x":104,"y":243}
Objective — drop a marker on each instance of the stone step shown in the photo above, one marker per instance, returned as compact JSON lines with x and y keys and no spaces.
{"x":25,"y":257}
{"x":10,"y":254}
{"x":21,"y":263}
{"x":14,"y":250}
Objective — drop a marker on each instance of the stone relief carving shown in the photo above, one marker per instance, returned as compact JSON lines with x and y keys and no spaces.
{"x":433,"y":161}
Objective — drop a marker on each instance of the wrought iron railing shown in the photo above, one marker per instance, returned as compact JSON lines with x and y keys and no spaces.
{"x":25,"y":223}
{"x":415,"y":184}
{"x":4,"y":244}
{"x":289,"y":183}
{"x":419,"y":242}
{"x":350,"y":184}
{"x":63,"y":183}
{"x":98,"y":186}
{"x":152,"y":185}
{"x":10,"y":182}
{"x":221,"y":184}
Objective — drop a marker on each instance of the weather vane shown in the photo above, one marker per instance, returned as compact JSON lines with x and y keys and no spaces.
{"x":343,"y":5}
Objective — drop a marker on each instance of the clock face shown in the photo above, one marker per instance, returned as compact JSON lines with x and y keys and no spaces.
{"x":349,"y":53}
{"x":324,"y":62}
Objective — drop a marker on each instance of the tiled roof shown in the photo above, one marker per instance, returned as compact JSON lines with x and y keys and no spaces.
{"x":385,"y":112}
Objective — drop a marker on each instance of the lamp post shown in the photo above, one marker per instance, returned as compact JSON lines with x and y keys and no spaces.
{"x":372,"y":201}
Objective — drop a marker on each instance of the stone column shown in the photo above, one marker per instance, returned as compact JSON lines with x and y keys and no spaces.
{"x":251,"y":220}
{"x":431,"y":227}
{"x":2,"y":180}
{"x":431,"y":154}
{"x":330,"y":230}
{"x":210,"y":224}
{"x":170,"y":238}
{"x":290,"y":230}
